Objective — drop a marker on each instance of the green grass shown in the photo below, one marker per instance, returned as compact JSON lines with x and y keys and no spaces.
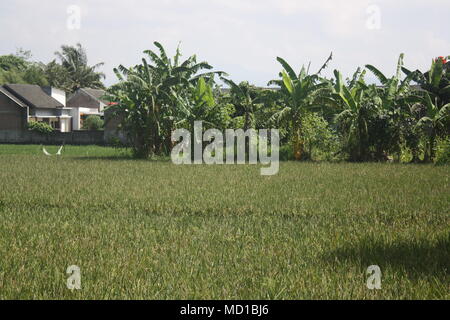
{"x":152,"y":230}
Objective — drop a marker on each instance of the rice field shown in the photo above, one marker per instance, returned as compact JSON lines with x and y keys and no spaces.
{"x":153,"y":230}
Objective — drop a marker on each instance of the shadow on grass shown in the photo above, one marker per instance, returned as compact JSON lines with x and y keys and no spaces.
{"x":117,"y":158}
{"x":418,"y":259}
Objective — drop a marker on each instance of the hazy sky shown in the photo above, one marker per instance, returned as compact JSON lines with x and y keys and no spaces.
{"x":241,"y":37}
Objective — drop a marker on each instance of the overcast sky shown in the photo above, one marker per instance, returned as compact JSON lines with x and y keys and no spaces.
{"x":241,"y":37}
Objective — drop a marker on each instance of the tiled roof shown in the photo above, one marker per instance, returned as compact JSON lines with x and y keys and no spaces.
{"x":33,"y":96}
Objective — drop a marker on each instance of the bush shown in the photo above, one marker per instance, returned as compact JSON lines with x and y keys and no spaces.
{"x":286,"y":153}
{"x":40,"y":127}
{"x":93,"y":123}
{"x":321,"y":142}
{"x":443,"y":152}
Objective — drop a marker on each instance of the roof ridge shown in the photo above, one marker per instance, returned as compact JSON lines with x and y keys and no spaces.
{"x":37,"y":97}
{"x":92,"y":96}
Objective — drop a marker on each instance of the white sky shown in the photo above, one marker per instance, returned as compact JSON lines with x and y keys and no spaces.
{"x":241,"y":37}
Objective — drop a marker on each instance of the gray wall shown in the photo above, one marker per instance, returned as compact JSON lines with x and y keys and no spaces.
{"x":12,"y":117}
{"x":74,"y":137}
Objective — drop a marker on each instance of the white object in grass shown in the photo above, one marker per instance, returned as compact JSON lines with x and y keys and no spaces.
{"x":57,"y":153}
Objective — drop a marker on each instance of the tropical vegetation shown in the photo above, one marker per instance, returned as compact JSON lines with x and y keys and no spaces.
{"x":93,"y":123}
{"x":404,"y":117}
{"x":393,"y":120}
{"x":70,"y":74}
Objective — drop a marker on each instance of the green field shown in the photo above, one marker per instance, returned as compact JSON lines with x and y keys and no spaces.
{"x":153,"y":230}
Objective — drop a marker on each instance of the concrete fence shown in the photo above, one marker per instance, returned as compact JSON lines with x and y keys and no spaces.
{"x":74,"y":137}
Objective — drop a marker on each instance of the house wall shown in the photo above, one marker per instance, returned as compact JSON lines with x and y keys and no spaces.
{"x":112,"y":131}
{"x":76,"y":118}
{"x":59,"y":95}
{"x":81,"y":102}
{"x":66,"y":124}
{"x":40,"y":113}
{"x":12,"y":116}
{"x":56,"y":94}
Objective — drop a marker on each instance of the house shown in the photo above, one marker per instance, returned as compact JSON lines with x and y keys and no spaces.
{"x":86,"y":102}
{"x":23,"y":103}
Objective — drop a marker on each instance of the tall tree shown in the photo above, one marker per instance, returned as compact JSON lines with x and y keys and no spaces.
{"x":77,"y":72}
{"x":393,"y":110}
{"x":355,"y":104}
{"x":245,"y":99}
{"x":149,"y":95}
{"x":18,"y":68}
{"x":433,"y":100}
{"x":300,"y":93}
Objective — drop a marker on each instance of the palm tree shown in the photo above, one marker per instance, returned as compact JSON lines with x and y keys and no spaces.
{"x":79,"y":73}
{"x":300,"y":94}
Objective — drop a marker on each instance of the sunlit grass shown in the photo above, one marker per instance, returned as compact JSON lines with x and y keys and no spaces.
{"x":152,"y":230}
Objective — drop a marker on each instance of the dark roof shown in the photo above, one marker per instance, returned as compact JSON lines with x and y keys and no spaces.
{"x":96,"y":93}
{"x":33,"y":95}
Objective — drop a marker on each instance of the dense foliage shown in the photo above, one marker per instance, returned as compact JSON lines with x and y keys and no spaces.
{"x":72,"y":73}
{"x":40,"y":127}
{"x":405,"y":117}
{"x":331,"y":118}
{"x":159,"y":95}
{"x":93,"y":123}
{"x":18,"y":68}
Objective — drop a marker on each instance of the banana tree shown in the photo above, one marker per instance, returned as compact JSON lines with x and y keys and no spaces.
{"x":299,"y":93}
{"x":187,"y":74}
{"x":436,"y":81}
{"x":355,"y":103}
{"x":432,"y":123}
{"x":146,"y":97}
{"x":392,"y":88}
{"x":139,"y":96}
{"x":197,"y":105}
{"x":245,"y":101}
{"x":390,"y":101}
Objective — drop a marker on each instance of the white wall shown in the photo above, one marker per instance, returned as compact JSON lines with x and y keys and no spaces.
{"x":65,"y":124}
{"x":75,"y":113}
{"x":58,"y":95}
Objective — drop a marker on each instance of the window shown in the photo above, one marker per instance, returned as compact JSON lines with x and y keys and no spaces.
{"x":55,"y":123}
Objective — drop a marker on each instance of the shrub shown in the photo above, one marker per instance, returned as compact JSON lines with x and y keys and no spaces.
{"x":93,"y":123}
{"x":40,"y":127}
{"x":443,"y":152}
{"x":321,"y":142}
{"x":286,"y":153}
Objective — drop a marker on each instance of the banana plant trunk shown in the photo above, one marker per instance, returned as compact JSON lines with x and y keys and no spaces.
{"x":430,"y":150}
{"x":432,"y":147}
{"x":297,"y":141}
